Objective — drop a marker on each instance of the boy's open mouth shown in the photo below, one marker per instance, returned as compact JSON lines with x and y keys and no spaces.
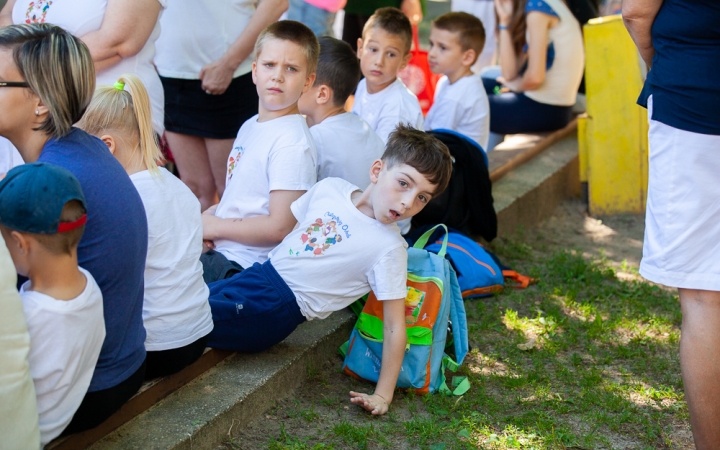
{"x":394,"y":214}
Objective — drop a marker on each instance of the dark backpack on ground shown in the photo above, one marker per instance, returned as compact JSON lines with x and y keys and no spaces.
{"x":467,"y":204}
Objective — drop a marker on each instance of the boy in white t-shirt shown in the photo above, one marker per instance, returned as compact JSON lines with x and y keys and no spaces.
{"x":42,"y":218}
{"x":273,"y":160}
{"x":346,"y":145}
{"x":381,"y":98}
{"x":345,"y":244}
{"x":460,"y":104}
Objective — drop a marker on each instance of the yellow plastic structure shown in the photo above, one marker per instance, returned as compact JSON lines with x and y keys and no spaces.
{"x":612,"y":135}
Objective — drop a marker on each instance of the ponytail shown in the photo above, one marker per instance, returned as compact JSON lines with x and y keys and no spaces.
{"x":125,"y":109}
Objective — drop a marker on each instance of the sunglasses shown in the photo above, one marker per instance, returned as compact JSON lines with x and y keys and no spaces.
{"x":13,"y":84}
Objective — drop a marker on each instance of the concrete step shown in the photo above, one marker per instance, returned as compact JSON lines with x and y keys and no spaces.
{"x":199,"y":406}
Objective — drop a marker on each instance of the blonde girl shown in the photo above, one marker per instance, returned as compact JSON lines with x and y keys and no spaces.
{"x":176,"y":313}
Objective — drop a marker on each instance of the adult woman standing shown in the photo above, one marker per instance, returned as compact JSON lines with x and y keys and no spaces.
{"x":680,"y":42}
{"x":120,"y":34}
{"x":204,"y":59}
{"x":541,"y":62}
{"x":50,"y":79}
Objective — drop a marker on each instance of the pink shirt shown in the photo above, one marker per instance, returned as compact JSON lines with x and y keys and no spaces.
{"x":328,"y":5}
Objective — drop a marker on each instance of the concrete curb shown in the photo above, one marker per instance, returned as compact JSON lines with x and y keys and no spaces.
{"x":204,"y":411}
{"x":244,"y":385}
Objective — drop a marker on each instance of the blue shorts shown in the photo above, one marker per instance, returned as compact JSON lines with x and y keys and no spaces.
{"x":252,"y":310}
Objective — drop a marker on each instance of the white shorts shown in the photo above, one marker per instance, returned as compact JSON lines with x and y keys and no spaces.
{"x":682,"y":222}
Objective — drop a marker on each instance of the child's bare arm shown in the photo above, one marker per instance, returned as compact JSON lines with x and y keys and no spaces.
{"x":394,"y":340}
{"x":258,"y":230}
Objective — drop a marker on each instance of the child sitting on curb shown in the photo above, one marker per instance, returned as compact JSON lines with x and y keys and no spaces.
{"x":176,"y":314}
{"x":42,"y":218}
{"x":346,"y":144}
{"x":345,"y":244}
{"x":460,"y":104}
{"x":273,"y":160}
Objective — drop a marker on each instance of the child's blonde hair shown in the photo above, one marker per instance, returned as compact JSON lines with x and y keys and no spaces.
{"x":125,"y":109}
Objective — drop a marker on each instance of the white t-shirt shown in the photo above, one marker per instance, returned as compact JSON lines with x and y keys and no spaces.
{"x":176,"y":311}
{"x":196,"y":33}
{"x":337,"y":254}
{"x":276,"y":155}
{"x":18,"y":404}
{"x":80,"y":17}
{"x":463,"y":107}
{"x":384,"y":110}
{"x":346,"y":148}
{"x":9,"y":156}
{"x":65,"y":342}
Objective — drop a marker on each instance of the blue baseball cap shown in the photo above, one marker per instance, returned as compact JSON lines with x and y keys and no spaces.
{"x":32,"y":197}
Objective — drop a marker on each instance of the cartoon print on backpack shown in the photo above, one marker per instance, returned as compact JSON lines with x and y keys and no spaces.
{"x":413,"y":304}
{"x":319,"y":237}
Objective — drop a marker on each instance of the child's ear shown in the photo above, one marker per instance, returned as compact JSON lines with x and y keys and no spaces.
{"x":375,"y":170}
{"x":324,"y":95}
{"x":406,"y":60}
{"x":110,"y":142}
{"x":254,"y":72}
{"x":309,"y":82}
{"x":20,"y":241}
{"x":468,"y":57}
{"x":359,"y":48}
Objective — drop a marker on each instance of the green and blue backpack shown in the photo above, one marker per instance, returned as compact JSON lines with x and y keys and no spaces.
{"x":433,"y":301}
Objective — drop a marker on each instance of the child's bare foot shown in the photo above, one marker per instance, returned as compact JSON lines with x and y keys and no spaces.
{"x":373,"y":403}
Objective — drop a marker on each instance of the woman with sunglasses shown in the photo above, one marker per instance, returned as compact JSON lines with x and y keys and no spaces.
{"x":47,"y":79}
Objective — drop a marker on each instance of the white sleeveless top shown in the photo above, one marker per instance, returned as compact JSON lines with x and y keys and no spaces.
{"x":563,"y":78}
{"x":80,"y":17}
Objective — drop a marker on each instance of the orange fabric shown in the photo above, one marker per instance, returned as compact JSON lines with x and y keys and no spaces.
{"x":455,"y":246}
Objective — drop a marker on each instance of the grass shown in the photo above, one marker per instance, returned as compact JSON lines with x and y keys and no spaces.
{"x":602,"y":371}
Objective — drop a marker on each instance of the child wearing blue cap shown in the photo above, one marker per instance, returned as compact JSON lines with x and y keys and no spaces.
{"x":42,"y":218}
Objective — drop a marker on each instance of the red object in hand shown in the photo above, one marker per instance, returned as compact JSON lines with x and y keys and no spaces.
{"x":417,"y":75}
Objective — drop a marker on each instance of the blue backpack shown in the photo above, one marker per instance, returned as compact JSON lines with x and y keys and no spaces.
{"x":433,"y":299}
{"x":478,"y":271}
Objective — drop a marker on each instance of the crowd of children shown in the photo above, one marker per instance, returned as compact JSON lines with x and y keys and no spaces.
{"x":128,"y":279}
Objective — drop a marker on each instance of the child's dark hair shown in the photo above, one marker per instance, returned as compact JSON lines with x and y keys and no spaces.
{"x":423,"y":152}
{"x":338,"y":68}
{"x":292,"y":31}
{"x":64,"y":243}
{"x":470,"y":30}
{"x":392,"y":21}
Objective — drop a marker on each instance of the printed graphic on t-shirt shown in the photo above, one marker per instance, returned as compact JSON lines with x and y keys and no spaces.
{"x":321,"y":235}
{"x":413,"y":303}
{"x":37,"y":11}
{"x":235,"y":156}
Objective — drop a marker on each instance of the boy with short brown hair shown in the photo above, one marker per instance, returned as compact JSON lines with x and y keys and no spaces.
{"x":345,"y":244}
{"x":460,"y":104}
{"x":384,"y":49}
{"x":273,"y":160}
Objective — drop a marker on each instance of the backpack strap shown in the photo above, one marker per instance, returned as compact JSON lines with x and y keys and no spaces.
{"x":459,"y":385}
{"x":516,"y":280}
{"x":422,"y":240}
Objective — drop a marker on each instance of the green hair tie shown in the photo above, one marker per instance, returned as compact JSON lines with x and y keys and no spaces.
{"x":119,"y":85}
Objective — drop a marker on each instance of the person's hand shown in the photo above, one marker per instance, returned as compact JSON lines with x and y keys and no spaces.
{"x":413,"y":10}
{"x":216,"y":77}
{"x":209,"y":222}
{"x":373,"y":403}
{"x":207,"y":246}
{"x":504,"y":9}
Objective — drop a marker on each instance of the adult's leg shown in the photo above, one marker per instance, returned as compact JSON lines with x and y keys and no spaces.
{"x":167,"y":362}
{"x":700,"y":363}
{"x":191,"y":158}
{"x":97,"y":406}
{"x":352,"y":28}
{"x":217,"y":152}
{"x":512,"y":113}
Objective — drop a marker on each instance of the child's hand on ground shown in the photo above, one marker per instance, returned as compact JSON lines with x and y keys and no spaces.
{"x":373,"y":403}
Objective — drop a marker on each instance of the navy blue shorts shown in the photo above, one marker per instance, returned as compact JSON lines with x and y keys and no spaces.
{"x":252,"y":310}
